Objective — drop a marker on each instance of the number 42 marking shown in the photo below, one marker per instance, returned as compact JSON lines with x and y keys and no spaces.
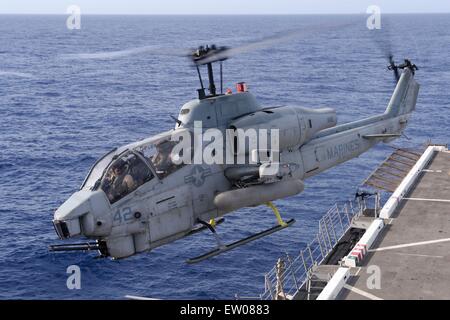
{"x":123,"y":215}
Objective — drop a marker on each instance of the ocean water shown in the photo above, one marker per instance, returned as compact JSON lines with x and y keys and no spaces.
{"x":59,"y":113}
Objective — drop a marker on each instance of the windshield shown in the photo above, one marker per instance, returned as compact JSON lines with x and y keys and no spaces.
{"x":125,"y":175}
{"x":97,"y":169}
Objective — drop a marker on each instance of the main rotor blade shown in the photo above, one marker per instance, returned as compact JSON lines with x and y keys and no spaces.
{"x":273,"y":40}
{"x":158,"y":50}
{"x":107,"y":55}
{"x":383,"y":40}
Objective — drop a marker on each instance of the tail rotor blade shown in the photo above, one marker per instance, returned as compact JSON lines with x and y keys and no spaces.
{"x":394,"y":68}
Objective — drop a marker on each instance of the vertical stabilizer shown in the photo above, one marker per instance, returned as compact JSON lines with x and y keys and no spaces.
{"x":404,"y":98}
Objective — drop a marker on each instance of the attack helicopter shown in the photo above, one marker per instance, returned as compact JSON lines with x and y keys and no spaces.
{"x":141,"y":196}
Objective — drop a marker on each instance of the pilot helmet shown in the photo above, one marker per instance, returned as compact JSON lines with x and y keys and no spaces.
{"x":119,"y":165}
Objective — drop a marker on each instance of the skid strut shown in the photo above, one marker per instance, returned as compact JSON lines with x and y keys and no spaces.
{"x":211,"y":228}
{"x":277,"y":213}
{"x":202,"y":227}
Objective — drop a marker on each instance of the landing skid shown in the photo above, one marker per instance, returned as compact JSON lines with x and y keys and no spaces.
{"x":224,"y":248}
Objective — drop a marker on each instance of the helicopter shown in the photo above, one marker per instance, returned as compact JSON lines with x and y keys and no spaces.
{"x":141,"y":196}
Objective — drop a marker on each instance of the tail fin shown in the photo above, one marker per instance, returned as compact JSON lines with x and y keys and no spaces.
{"x":404,"y":99}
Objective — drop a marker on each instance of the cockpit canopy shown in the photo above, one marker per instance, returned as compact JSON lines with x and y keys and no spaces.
{"x":124,"y":175}
{"x":125,"y":169}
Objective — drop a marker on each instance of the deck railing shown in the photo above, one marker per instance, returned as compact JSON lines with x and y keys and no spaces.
{"x":286,"y":278}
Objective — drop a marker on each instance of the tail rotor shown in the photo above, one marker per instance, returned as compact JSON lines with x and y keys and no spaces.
{"x":393,"y":67}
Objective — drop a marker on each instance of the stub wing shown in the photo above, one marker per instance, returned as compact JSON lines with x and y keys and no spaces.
{"x":382,"y":136}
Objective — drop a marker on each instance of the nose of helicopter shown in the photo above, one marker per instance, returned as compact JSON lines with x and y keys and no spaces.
{"x":85,"y":213}
{"x":67,"y":217}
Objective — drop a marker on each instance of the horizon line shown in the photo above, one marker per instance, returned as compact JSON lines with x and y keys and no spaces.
{"x":218,"y":14}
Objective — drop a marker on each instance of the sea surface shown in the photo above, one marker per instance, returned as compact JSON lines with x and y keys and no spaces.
{"x":69,"y":96}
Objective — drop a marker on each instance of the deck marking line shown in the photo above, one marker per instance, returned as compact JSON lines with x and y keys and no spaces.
{"x":139,"y":298}
{"x":410,"y":245}
{"x":361,"y":292}
{"x":429,"y":170}
{"x":418,"y":255}
{"x":424,"y":199}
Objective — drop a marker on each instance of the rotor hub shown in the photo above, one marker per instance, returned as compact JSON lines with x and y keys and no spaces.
{"x":209,"y":54}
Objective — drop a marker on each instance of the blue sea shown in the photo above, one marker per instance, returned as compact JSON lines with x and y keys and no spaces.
{"x":59,"y":113}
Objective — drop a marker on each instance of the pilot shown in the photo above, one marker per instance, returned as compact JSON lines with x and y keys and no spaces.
{"x":162,"y":160}
{"x":122,"y":182}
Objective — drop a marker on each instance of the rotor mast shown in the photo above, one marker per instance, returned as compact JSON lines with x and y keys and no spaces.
{"x":207,"y":56}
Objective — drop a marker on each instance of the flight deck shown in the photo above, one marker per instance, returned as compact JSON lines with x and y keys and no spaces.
{"x":412,"y":251}
{"x":396,"y":250}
